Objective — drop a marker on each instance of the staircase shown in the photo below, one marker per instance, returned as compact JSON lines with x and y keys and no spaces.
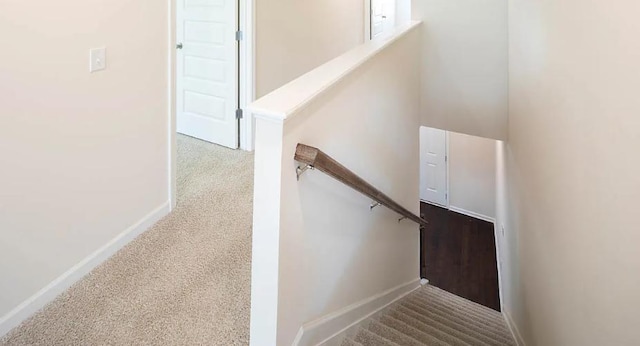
{"x":431,"y":316}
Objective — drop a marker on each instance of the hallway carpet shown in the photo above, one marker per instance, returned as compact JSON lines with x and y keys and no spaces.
{"x":186,"y":281}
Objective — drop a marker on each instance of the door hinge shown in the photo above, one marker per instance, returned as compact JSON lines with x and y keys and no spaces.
{"x":239,"y":113}
{"x":239,"y":35}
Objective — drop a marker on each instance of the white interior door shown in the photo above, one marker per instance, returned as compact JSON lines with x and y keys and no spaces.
{"x":207,"y":71}
{"x":433,"y":166}
{"x":383,"y":14}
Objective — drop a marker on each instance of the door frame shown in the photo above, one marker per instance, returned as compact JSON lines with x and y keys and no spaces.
{"x":246,"y":81}
{"x":367,"y":20}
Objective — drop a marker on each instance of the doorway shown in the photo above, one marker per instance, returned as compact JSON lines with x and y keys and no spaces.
{"x":212,"y":71}
{"x":212,"y":76}
{"x":433,"y":166}
{"x":458,"y":251}
{"x":380,"y":17}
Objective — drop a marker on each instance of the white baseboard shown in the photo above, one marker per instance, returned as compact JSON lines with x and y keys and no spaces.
{"x":472,"y":214}
{"x":47,"y":294}
{"x":514,"y":329}
{"x":326,"y":329}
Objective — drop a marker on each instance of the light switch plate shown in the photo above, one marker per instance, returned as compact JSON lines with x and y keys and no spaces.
{"x":97,"y":59}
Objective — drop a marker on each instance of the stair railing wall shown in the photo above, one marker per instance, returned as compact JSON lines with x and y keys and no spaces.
{"x":316,"y":249}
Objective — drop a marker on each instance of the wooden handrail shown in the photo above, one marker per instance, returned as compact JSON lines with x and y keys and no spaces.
{"x":318,"y":160}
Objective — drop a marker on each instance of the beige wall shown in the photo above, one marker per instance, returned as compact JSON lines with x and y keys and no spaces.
{"x":464,"y":65}
{"x":472,"y":174}
{"x":573,"y":171}
{"x":82,"y":156}
{"x":293,"y":37}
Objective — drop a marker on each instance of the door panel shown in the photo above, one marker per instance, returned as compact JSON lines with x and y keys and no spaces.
{"x":433,"y":166}
{"x":207,"y":70}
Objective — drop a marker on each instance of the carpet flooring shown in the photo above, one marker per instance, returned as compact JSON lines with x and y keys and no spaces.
{"x":186,"y":281}
{"x":431,"y":316}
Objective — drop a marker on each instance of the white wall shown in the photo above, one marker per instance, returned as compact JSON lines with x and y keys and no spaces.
{"x":83,"y":156}
{"x":293,"y":37}
{"x":573,"y":171}
{"x":472,"y":174}
{"x":317,"y":247}
{"x":403,"y":11}
{"x":464,"y":65}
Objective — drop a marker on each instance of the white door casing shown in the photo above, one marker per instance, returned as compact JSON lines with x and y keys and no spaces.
{"x":207,"y":70}
{"x":433,"y":166}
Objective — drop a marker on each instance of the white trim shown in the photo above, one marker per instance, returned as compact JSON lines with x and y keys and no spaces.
{"x":47,"y":294}
{"x":330,"y":327}
{"x":472,"y":214}
{"x":367,"y":20}
{"x":513,"y":328}
{"x":172,"y":135}
{"x":247,"y":75}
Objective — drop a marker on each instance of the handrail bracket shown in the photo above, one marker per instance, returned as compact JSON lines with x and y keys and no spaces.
{"x":301,"y":169}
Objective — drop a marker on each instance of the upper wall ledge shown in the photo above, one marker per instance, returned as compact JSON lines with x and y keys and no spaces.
{"x":284,"y":102}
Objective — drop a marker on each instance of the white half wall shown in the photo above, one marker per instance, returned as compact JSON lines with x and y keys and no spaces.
{"x":293,"y":37}
{"x":464,"y":65}
{"x":317,"y":247}
{"x":83,"y":157}
{"x":472,"y":175}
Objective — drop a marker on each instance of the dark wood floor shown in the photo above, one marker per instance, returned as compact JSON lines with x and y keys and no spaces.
{"x":459,"y":255}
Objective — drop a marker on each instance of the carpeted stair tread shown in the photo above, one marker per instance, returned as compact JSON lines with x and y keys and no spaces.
{"x":459,"y":310}
{"x":465,"y":307}
{"x":478,"y":331}
{"x":425,"y":328}
{"x":452,"y":300}
{"x":444,"y":303}
{"x":469,"y":320}
{"x":476,"y":327}
{"x":350,"y":342}
{"x":368,"y":338}
{"x":431,"y":291}
{"x":430,"y":316}
{"x":466,"y":334}
{"x":457,"y":314}
{"x":396,"y":336}
{"x":402,"y":327}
